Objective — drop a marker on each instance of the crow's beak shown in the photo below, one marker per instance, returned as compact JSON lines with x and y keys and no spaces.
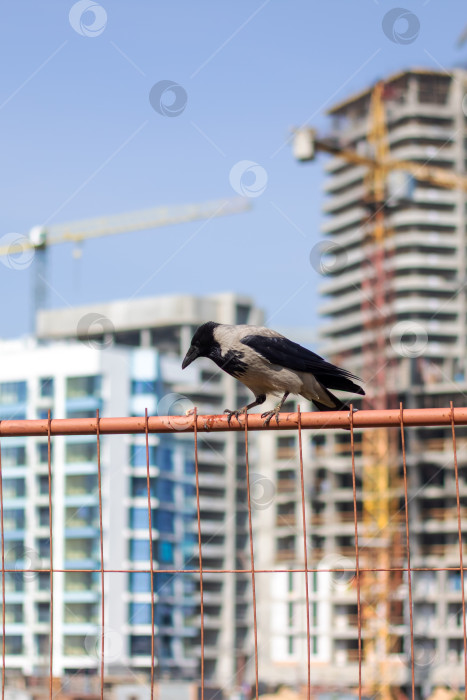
{"x":191,"y":355}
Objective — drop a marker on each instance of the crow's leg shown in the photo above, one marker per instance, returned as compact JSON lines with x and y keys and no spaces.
{"x":275,"y":412}
{"x":257,"y":402}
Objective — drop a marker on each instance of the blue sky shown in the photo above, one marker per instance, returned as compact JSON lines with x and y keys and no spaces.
{"x":79,"y":137}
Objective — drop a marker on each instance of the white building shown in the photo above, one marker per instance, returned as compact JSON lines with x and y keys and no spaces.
{"x":74,"y":380}
{"x":167,"y":323}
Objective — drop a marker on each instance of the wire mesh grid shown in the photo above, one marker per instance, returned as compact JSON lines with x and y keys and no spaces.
{"x":399,"y":420}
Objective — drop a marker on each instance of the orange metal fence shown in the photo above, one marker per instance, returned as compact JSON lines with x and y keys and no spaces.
{"x":397,"y":419}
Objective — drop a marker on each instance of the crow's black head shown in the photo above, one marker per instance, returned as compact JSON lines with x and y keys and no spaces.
{"x":202,"y":343}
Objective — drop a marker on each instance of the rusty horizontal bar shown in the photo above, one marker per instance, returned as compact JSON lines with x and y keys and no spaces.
{"x":216,"y":423}
{"x":299,"y":570}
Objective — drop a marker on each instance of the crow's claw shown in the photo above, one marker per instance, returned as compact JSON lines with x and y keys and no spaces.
{"x":270,"y":414}
{"x":237,"y":414}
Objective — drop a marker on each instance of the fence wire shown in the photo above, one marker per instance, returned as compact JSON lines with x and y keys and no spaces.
{"x":397,"y":419}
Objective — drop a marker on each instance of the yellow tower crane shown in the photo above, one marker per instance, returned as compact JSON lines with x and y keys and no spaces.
{"x":380,"y":478}
{"x":40,"y":238}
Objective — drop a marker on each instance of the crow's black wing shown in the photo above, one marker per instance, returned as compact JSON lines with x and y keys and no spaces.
{"x":281,"y":351}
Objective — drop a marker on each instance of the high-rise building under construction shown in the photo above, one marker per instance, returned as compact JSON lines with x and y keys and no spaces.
{"x":394,"y":260}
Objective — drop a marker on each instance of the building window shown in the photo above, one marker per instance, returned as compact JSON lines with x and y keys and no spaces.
{"x":140,"y":386}
{"x":165,"y":490}
{"x":140,"y":614}
{"x":138,"y":455}
{"x":165,"y":459}
{"x":13,"y":488}
{"x":80,"y":484}
{"x":164,"y":584}
{"x":164,"y":615}
{"x":16,"y":551}
{"x":77,"y":645}
{"x":12,"y":392}
{"x":139,"y":487}
{"x":76,"y":452}
{"x":14,"y":583}
{"x":165,"y":521}
{"x":43,"y":516}
{"x":13,"y":613}
{"x":139,"y":518}
{"x":46,"y":387}
{"x":166,"y":552}
{"x":140,"y":582}
{"x":43,"y":485}
{"x":81,"y":413}
{"x":43,"y":612}
{"x":14,"y":456}
{"x":13,"y":644}
{"x":139,"y":550}
{"x":76,"y":581}
{"x":166,"y":647}
{"x":43,"y":452}
{"x":43,"y":547}
{"x":84,"y":516}
{"x":189,"y":467}
{"x":43,"y":581}
{"x":243,"y":313}
{"x":314,"y":614}
{"x":76,"y":613}
{"x":13,"y":519}
{"x":78,"y":549}
{"x":83,"y":387}
{"x":140,"y":645}
{"x":290,"y":614}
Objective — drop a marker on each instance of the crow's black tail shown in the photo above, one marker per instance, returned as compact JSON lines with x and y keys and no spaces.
{"x":338,"y":405}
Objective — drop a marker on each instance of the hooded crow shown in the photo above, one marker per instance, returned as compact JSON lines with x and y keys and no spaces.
{"x":269,"y":363}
